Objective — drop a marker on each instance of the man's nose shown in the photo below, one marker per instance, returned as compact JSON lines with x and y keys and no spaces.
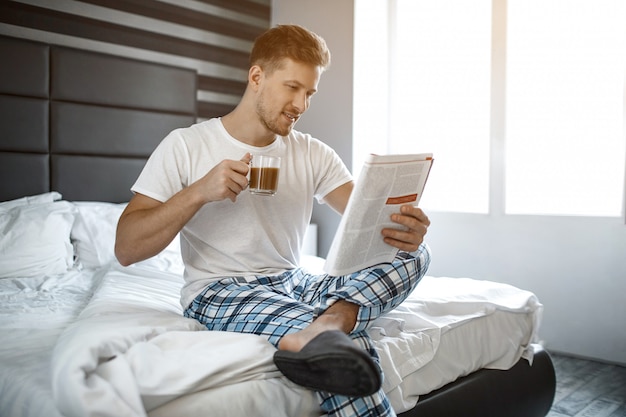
{"x":301,"y":102}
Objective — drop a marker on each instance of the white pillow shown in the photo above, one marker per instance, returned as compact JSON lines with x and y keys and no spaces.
{"x":35,"y":199}
{"x":35,"y":239}
{"x":94,"y":232}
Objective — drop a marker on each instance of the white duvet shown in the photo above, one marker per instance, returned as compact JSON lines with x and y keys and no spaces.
{"x":131,"y":353}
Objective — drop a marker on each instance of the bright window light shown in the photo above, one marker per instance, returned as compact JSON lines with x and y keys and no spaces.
{"x":371,"y":81}
{"x":422,"y":84}
{"x":440,"y":95}
{"x":565,"y":143}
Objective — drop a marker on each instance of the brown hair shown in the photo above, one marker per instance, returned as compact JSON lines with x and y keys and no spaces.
{"x":289,"y":41}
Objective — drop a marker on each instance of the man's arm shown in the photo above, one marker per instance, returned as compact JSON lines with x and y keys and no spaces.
{"x":147,"y":226}
{"x":413,"y":219}
{"x":338,"y":198}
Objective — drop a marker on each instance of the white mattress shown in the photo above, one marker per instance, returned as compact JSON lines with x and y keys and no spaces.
{"x":113,"y":342}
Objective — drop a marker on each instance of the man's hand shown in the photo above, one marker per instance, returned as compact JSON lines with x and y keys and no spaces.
{"x":225,"y":180}
{"x":412,"y":235}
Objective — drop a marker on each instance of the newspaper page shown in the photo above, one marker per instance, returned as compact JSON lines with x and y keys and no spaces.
{"x":385,"y":183}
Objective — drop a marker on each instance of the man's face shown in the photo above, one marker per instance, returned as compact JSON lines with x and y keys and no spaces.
{"x":285,"y":94}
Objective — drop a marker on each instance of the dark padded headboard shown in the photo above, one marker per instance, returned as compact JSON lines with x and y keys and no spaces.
{"x":83,"y":123}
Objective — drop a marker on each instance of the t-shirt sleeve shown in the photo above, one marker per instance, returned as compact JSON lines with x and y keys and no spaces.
{"x":331,"y":172}
{"x":167,"y":170}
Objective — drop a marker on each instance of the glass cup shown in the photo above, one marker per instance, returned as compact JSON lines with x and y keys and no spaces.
{"x":264,"y":170}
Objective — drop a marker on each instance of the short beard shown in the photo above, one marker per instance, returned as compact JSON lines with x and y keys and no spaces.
{"x":267,"y":121}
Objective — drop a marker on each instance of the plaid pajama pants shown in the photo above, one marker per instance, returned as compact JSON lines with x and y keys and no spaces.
{"x":272,"y":306}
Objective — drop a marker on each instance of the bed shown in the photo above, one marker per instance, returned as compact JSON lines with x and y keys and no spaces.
{"x":83,"y":336}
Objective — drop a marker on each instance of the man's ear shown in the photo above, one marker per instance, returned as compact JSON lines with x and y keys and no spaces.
{"x":254,"y":76}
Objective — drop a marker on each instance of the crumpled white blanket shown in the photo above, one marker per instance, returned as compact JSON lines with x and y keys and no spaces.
{"x":451,"y":327}
{"x":131,"y":353}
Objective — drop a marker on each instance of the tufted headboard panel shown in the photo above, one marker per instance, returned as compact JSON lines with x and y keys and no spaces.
{"x":83,"y":123}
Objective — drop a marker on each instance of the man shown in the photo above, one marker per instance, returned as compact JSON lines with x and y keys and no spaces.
{"x":241,"y":251}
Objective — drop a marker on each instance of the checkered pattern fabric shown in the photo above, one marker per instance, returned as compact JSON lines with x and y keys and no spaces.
{"x":272,"y":306}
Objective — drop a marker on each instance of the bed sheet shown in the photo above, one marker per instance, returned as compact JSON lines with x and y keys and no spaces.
{"x":449,"y":328}
{"x":33,"y":314}
{"x":89,"y":345}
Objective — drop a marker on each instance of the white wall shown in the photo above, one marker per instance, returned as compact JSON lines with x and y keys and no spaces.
{"x":576,"y":266}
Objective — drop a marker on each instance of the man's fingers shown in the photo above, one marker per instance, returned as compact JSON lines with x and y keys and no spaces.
{"x":416,"y":223}
{"x":246,"y":158}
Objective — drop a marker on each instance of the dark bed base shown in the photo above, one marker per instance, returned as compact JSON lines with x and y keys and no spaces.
{"x":522,"y":391}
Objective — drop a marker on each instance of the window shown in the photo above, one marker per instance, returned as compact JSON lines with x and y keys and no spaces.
{"x":424,"y":82}
{"x":565,"y":75}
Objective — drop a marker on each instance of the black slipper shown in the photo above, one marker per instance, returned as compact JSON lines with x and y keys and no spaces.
{"x":331,"y":362}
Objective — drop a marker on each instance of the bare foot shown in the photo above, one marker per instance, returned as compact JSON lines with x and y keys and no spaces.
{"x":340,"y":316}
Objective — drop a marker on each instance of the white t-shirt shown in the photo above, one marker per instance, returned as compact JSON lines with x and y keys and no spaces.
{"x":256,"y":235}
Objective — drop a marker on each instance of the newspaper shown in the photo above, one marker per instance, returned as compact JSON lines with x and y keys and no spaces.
{"x":385,"y":183}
